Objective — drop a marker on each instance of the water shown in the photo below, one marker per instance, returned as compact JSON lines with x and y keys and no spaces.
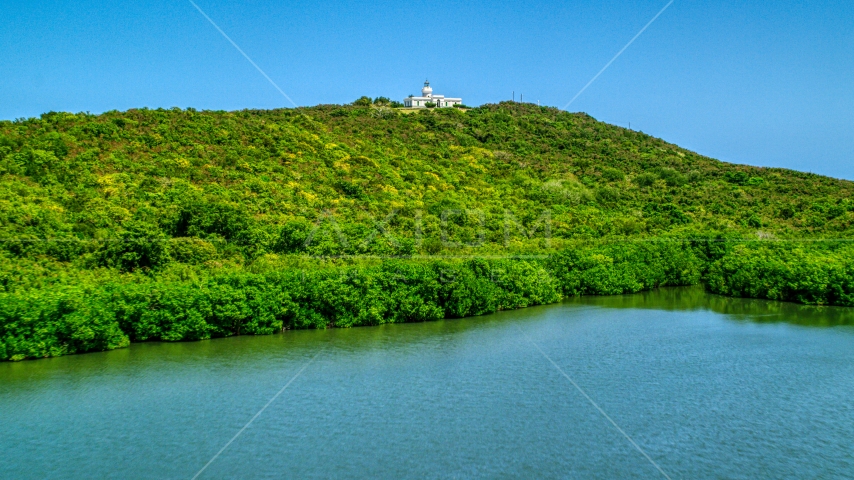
{"x":708,"y":387}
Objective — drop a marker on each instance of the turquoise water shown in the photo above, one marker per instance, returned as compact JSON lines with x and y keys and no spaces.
{"x":707,"y":387}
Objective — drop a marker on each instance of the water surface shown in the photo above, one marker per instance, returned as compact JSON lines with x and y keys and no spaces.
{"x":708,"y":387}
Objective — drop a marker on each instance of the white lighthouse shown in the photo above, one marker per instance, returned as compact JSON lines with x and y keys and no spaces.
{"x":427,"y":96}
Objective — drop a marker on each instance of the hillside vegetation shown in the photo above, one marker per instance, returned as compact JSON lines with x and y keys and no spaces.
{"x":184,"y":224}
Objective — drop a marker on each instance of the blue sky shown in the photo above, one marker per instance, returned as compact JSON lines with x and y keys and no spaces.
{"x":762,"y":83}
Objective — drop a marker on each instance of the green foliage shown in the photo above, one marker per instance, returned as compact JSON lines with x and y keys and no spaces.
{"x":665,"y":214}
{"x":737,"y":177}
{"x":817,"y":275}
{"x":613,"y":175}
{"x":141,"y":246}
{"x":293,"y":237}
{"x":645,"y":180}
{"x":672,"y":177}
{"x":47,"y":323}
{"x":625,"y":268}
{"x":41,"y":323}
{"x":185,"y":224}
{"x":191,"y":250}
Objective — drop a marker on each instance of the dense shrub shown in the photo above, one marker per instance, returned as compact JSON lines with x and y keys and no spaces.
{"x":140,"y":246}
{"x":47,"y":323}
{"x":645,"y":180}
{"x":613,"y":175}
{"x":625,"y":268}
{"x":185,"y":224}
{"x":786,"y":271}
{"x":78,"y":319}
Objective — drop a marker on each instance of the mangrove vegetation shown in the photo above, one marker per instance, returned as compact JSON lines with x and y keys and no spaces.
{"x":184,"y":225}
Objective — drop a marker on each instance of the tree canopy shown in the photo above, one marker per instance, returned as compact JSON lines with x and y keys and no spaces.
{"x":145,"y":210}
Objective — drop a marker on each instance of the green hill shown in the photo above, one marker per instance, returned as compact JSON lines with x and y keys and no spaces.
{"x":184,"y":224}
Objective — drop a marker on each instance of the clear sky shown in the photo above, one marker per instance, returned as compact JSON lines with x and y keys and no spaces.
{"x":756,"y":82}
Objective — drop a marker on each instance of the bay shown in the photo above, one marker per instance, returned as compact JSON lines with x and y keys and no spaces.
{"x":705,"y":387}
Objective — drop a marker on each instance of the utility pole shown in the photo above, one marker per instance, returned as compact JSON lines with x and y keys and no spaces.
{"x":520,"y":99}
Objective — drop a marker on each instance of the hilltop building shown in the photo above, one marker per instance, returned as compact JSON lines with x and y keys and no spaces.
{"x":427,"y":96}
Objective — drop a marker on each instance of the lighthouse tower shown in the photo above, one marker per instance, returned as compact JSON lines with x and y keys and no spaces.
{"x":428,"y":99}
{"x":427,"y":92}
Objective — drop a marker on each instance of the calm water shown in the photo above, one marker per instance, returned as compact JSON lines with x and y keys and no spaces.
{"x":708,"y":387}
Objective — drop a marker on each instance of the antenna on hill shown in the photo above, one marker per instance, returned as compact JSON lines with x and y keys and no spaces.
{"x":514,"y":95}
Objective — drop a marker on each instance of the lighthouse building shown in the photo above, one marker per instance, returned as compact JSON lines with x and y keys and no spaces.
{"x":427,"y":96}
